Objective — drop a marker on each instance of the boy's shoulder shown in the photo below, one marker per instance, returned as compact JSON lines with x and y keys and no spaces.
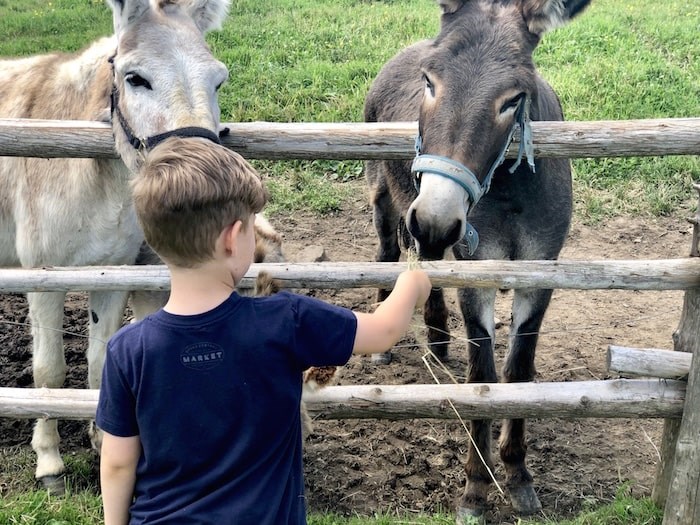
{"x":291,"y":300}
{"x":299,"y":306}
{"x":127,"y":333}
{"x":277,"y":302}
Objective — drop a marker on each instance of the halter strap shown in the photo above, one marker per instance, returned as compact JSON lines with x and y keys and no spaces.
{"x":147,"y":143}
{"x":466,"y":178}
{"x":450,"y":169}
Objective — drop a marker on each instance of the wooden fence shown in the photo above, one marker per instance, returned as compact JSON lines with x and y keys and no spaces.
{"x":267,"y":140}
{"x":678,"y":478}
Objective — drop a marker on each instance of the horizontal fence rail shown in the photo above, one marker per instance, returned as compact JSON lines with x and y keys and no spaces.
{"x":656,"y":274}
{"x":363,"y":141}
{"x":617,"y":398}
{"x":650,"y":362}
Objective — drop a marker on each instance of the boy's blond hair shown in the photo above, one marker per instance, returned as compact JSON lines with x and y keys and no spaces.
{"x":188,"y":192}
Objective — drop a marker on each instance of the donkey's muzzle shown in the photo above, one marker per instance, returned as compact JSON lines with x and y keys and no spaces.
{"x":431,"y":242}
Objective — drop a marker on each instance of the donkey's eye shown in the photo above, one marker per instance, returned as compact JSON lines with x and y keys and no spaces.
{"x":513,"y":103}
{"x":136,"y":80}
{"x":429,"y":85}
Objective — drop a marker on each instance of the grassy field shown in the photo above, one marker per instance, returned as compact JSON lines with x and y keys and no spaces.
{"x":82,"y":505}
{"x":304,"y":60}
{"x":298,"y":60}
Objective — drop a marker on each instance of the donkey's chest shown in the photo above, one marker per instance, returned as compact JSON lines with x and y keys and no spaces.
{"x":75,"y":213}
{"x":111,"y":236}
{"x":522,"y":221}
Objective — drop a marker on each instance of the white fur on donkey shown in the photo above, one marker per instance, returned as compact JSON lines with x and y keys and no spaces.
{"x":72,"y":212}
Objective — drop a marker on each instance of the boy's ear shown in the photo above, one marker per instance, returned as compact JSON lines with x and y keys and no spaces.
{"x":230,"y":237}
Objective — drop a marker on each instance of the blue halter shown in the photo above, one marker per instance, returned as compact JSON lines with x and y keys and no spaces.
{"x":465,"y":178}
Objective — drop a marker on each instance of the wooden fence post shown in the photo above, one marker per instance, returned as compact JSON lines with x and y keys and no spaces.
{"x":677,"y":484}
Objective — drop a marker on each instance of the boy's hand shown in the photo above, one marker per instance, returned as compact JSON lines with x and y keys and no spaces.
{"x":420,"y":282}
{"x":378,"y":331}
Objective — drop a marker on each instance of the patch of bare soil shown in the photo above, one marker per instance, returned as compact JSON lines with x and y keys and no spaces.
{"x":368,"y":466}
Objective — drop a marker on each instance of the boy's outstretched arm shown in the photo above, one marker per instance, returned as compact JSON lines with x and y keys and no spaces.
{"x":380,"y":330}
{"x":118,"y":459}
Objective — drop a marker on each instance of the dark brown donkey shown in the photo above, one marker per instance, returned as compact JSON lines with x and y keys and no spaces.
{"x":471,"y":89}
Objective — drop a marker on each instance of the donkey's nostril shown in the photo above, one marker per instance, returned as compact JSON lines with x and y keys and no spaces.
{"x":431,"y":239}
{"x":413,"y":226}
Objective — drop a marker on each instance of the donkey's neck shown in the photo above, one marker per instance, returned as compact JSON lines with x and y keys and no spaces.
{"x":71,"y":87}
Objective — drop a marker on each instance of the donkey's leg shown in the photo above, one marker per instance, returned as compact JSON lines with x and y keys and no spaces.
{"x":435,"y":316}
{"x":144,"y":302}
{"x":529,"y":307}
{"x":478,"y":308}
{"x":106,"y":316}
{"x":49,"y":369}
{"x":386,"y":221}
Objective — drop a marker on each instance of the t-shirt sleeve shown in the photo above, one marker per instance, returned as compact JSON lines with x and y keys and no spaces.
{"x":325,"y":333}
{"x":116,"y":407}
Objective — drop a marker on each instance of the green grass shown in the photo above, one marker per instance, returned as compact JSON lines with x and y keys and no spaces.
{"x":39,"y":26}
{"x":21,"y":504}
{"x":624,"y":510}
{"x":312,"y":61}
{"x":631,"y":59}
{"x":298,"y":60}
{"x":84,"y":508}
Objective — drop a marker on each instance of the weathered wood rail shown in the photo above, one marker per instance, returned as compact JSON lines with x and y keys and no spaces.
{"x":678,"y":477}
{"x":363,"y":141}
{"x":619,"y":398}
{"x":657,"y":274}
{"x":649,"y":362}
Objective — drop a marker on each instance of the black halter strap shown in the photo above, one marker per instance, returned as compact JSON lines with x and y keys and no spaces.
{"x":147,"y":143}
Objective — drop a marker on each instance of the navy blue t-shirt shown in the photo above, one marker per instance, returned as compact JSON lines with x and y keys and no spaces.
{"x":215,"y":400}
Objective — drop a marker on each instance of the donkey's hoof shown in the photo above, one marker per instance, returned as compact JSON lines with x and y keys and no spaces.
{"x":54,"y":485}
{"x":467,"y":516}
{"x":381,"y":359}
{"x":524,"y":500}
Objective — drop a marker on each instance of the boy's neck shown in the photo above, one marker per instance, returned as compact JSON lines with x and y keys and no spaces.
{"x":198,"y":290}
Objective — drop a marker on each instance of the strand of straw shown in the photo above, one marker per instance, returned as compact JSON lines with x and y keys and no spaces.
{"x":429,"y":354}
{"x":414,"y":263}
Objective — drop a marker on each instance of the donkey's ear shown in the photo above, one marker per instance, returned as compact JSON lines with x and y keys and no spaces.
{"x":124,"y":12}
{"x":206,"y":14}
{"x":450,"y":6}
{"x":544,"y":15}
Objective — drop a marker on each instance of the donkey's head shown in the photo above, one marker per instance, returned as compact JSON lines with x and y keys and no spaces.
{"x":480,"y":84}
{"x":165,"y":77}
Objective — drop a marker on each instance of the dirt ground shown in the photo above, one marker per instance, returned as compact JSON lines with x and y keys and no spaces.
{"x":368,"y":466}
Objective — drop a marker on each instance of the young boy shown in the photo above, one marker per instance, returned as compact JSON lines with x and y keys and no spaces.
{"x":200,"y":401}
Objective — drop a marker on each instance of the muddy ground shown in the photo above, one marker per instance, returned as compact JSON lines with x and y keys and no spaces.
{"x":368,"y":466}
